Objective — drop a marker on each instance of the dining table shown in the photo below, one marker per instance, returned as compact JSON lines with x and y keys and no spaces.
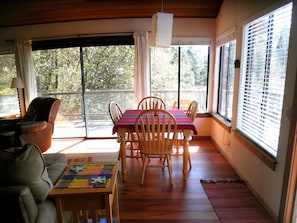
{"x":126,"y":125}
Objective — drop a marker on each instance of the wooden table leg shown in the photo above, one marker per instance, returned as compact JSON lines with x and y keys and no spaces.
{"x":122,"y":133}
{"x":108,"y":208}
{"x":59,"y":209}
{"x":187,"y":136}
{"x":115,"y":205}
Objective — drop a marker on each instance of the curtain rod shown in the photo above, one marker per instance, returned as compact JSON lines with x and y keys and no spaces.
{"x":76,"y":36}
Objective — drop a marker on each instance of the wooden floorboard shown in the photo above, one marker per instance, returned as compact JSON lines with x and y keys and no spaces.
{"x":157,"y":201}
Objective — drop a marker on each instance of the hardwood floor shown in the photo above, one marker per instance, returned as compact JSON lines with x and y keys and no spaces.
{"x":157,"y":201}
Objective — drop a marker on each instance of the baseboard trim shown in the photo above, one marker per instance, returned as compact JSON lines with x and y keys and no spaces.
{"x":196,"y":137}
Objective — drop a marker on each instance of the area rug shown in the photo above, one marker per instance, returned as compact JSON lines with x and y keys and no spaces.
{"x":234,"y":202}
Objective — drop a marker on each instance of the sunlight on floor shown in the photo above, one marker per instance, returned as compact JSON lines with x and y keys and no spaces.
{"x":84,"y":146}
{"x":192,"y":149}
{"x":80,"y":145}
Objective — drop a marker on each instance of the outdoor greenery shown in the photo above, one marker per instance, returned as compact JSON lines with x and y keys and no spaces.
{"x":7,"y":72}
{"x":8,"y":96}
{"x":94,"y":76}
{"x":193,"y":64}
{"x":86,"y":79}
{"x":71,"y":73}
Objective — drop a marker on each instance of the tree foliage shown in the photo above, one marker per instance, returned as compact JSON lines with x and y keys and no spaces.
{"x":7,"y":72}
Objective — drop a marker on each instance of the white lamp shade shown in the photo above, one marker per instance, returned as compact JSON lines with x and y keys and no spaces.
{"x":162,"y":29}
{"x":17,"y":82}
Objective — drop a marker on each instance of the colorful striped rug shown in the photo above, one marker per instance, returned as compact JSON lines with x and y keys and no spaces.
{"x":234,"y":202}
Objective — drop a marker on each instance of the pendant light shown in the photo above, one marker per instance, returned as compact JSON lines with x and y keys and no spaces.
{"x":161,"y":29}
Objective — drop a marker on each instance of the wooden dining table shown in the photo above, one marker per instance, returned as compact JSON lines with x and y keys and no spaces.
{"x":126,"y":124}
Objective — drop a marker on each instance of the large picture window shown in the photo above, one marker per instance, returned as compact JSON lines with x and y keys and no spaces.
{"x":263,"y":74}
{"x":179,"y":74}
{"x":87,"y":75}
{"x":9,"y":104}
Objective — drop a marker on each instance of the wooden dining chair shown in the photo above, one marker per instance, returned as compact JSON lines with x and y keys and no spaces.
{"x":116,"y":113}
{"x":156,"y":130}
{"x":183,"y":105}
{"x":151,"y":102}
{"x":191,"y":113}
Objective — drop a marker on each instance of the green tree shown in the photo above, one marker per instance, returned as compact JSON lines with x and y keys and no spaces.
{"x":7,"y":72}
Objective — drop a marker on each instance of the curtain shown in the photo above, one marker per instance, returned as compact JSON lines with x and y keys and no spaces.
{"x":142,"y":67}
{"x":24,"y":66}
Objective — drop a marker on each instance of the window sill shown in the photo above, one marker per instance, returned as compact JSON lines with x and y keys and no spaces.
{"x":257,"y":151}
{"x":223,"y":122}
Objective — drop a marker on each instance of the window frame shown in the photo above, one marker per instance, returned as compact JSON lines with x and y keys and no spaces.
{"x":221,"y":76}
{"x":84,"y":113}
{"x":179,"y":43}
{"x":260,"y":142}
{"x":10,"y":102}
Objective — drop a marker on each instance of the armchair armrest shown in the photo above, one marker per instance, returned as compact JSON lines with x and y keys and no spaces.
{"x":8,"y":124}
{"x":19,"y":204}
{"x":31,"y":127}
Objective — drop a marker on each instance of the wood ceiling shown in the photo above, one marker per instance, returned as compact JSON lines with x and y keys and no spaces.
{"x":29,"y":12}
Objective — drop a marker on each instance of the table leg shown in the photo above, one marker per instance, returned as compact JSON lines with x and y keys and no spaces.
{"x":122,"y":133}
{"x":59,"y":209}
{"x":187,"y":136}
{"x":108,"y":208}
{"x":116,"y":204}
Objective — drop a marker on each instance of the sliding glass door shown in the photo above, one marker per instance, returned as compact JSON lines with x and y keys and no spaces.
{"x":86,"y":79}
{"x":87,"y":76}
{"x":58,"y":74}
{"x":108,"y":75}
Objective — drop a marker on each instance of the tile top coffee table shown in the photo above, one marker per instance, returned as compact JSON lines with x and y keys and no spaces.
{"x":89,"y":190}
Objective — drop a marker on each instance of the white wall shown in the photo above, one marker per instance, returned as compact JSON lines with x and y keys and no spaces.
{"x":265,"y":182}
{"x":182,"y":27}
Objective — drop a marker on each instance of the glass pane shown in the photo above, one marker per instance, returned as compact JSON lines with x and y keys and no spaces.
{"x":194,"y":74}
{"x":9,"y":103}
{"x":164,"y":74}
{"x":58,"y":74}
{"x":108,"y":76}
{"x":193,"y":65}
{"x":226,"y":80}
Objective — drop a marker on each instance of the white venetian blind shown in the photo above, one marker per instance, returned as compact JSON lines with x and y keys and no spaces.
{"x":265,"y":51}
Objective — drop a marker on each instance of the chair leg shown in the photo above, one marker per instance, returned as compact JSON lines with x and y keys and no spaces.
{"x":163,"y":158}
{"x":190,"y":163}
{"x":169,"y":165}
{"x":176,"y":146}
{"x":135,"y":149}
{"x":119,"y":156}
{"x":145,"y":158}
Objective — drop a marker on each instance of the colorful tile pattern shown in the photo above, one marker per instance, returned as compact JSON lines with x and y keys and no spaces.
{"x":82,"y":177}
